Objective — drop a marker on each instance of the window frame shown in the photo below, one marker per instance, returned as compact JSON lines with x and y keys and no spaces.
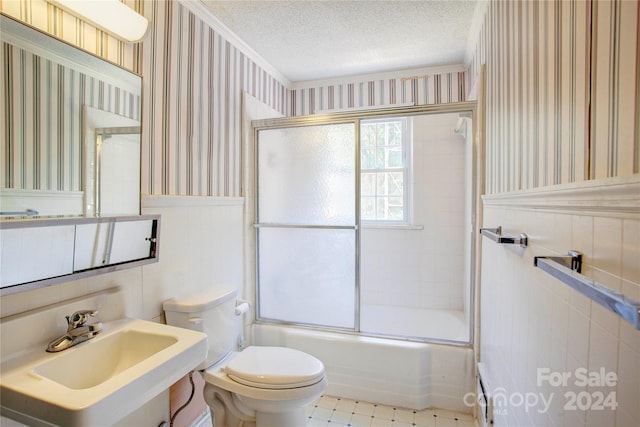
{"x":406,"y":169}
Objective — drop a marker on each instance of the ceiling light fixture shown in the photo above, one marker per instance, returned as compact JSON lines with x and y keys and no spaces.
{"x":111,"y":16}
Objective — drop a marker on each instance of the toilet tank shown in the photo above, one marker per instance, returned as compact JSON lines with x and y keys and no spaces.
{"x":211,"y":312}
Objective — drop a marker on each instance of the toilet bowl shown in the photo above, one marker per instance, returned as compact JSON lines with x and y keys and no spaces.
{"x":270,"y":386}
{"x":261,"y":386}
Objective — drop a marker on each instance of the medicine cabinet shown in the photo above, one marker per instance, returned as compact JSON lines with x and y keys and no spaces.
{"x":37,"y":252}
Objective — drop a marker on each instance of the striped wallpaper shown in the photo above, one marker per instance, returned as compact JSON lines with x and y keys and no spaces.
{"x":562,"y":92}
{"x":41,"y":119}
{"x":563,"y":100}
{"x":193,"y":80}
{"x":401,"y":89}
{"x":193,"y":84}
{"x":52,"y":20}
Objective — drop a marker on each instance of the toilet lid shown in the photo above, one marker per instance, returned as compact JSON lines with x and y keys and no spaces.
{"x":274,"y":368}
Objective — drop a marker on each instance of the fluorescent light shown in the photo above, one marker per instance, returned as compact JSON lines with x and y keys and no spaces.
{"x":112,"y":16}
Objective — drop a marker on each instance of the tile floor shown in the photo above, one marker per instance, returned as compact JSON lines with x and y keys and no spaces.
{"x":335,"y":411}
{"x":332,"y":411}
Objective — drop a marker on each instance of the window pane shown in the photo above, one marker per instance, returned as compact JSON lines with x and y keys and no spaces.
{"x":395,"y":134}
{"x":389,"y":209}
{"x":381,"y":180}
{"x":395,"y":213}
{"x":368,"y":208}
{"x":395,"y":202}
{"x":368,"y":158}
{"x":394,"y":157}
{"x":395,"y":184}
{"x":380,"y":158}
{"x":368,"y":184}
{"x":368,"y":136}
{"x":380,"y":133}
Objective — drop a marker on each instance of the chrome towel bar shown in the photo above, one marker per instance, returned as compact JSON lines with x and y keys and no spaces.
{"x":572,"y":260}
{"x":567,"y":269}
{"x":495,"y":234}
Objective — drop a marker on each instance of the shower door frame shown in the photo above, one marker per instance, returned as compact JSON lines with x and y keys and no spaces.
{"x":285,"y":123}
{"x":355,"y":117}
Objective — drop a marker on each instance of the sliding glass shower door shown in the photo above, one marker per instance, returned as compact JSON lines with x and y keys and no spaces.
{"x":307,"y":212}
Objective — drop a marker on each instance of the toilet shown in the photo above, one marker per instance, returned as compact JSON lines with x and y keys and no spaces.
{"x":259,"y":385}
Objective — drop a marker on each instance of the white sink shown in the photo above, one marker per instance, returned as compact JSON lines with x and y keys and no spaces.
{"x":101,"y":380}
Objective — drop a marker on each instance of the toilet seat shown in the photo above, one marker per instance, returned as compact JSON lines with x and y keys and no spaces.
{"x":274,"y":368}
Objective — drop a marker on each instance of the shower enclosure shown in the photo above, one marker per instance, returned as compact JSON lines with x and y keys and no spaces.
{"x":364,"y":222}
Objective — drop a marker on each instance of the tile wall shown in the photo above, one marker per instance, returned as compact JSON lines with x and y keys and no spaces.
{"x":532,"y":321}
{"x":423,"y":267}
{"x":201,"y":246}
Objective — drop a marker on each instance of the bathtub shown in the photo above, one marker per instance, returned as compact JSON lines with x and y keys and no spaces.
{"x":391,"y":372}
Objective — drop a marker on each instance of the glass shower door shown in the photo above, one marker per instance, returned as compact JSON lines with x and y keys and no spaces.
{"x":306,"y":225}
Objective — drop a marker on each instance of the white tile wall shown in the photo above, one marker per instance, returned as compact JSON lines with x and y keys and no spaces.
{"x":423,"y":268}
{"x":531,"y":320}
{"x":200,"y":246}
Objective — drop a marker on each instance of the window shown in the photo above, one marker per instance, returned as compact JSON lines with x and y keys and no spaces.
{"x":384,"y":164}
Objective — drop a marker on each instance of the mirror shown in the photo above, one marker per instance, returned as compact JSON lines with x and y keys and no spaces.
{"x":53,"y":97}
{"x":112,"y":147}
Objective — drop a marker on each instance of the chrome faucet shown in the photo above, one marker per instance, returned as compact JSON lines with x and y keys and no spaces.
{"x":77,"y":331}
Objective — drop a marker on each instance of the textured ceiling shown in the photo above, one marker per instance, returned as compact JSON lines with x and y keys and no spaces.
{"x":310,"y":40}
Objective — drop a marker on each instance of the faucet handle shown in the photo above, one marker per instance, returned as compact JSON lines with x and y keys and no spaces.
{"x":79,"y":318}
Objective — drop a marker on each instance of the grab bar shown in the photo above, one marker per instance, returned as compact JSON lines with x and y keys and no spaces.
{"x":28,"y":212}
{"x":495,"y":234}
{"x":567,"y":269}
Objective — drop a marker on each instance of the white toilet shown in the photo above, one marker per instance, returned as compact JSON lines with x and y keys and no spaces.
{"x":262,"y":386}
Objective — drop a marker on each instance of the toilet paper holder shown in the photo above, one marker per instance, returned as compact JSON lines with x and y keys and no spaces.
{"x":242,"y":306}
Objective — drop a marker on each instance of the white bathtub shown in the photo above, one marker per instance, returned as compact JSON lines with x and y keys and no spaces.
{"x":391,"y":372}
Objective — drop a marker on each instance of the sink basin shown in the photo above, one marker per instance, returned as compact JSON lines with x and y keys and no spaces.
{"x":107,"y":357}
{"x":99,"y":381}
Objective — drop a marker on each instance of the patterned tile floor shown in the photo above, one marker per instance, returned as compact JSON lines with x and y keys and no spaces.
{"x":331,"y":411}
